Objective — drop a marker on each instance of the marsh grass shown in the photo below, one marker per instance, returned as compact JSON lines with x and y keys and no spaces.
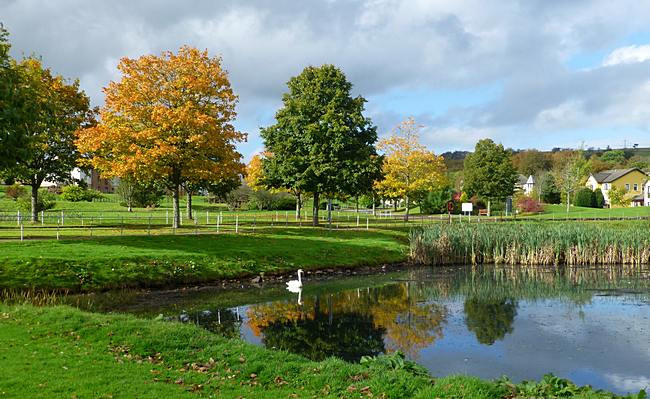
{"x":573,"y":244}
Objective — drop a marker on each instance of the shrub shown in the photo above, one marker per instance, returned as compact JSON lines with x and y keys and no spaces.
{"x":585,"y":198}
{"x":261,"y":200}
{"x":599,"y":199}
{"x":45,"y":201}
{"x":238,"y":198}
{"x":78,"y":194}
{"x":528,"y":205}
{"x":15,"y":191}
{"x":618,"y":197}
{"x":436,"y":201}
{"x":285,"y":203}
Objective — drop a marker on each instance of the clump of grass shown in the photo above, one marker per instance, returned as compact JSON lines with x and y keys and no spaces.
{"x":35,"y":297}
{"x":531,"y":244}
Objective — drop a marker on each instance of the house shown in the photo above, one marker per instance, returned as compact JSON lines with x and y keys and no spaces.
{"x":91,"y":179}
{"x":526,"y":184}
{"x":632,"y":180}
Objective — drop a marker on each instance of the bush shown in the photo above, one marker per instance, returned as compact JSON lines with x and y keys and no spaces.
{"x":585,"y":198}
{"x":238,"y":198}
{"x":599,"y":199}
{"x":78,"y":194}
{"x":261,"y":200}
{"x":285,"y":203}
{"x":45,"y":201}
{"x":528,"y":205}
{"x":15,"y":191}
{"x":436,"y":201}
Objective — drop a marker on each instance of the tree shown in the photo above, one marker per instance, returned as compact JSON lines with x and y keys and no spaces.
{"x":531,"y":162}
{"x":570,"y":175}
{"x":613,"y":157}
{"x":410,"y":170}
{"x":618,"y":197}
{"x":255,"y":173}
{"x":168,"y":120}
{"x":321,"y":142}
{"x":14,"y":108}
{"x":599,"y":199}
{"x":58,"y":109}
{"x":436,"y":200}
{"x":549,"y":192}
{"x":489,"y":172}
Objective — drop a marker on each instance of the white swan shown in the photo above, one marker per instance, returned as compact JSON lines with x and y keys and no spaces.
{"x":295,"y":285}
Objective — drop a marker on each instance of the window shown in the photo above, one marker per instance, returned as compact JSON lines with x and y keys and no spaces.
{"x":636,"y":187}
{"x":606,"y":186}
{"x":627,"y":187}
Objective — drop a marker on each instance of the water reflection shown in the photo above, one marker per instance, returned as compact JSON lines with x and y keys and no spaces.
{"x":589,"y":325}
{"x":490,"y":320}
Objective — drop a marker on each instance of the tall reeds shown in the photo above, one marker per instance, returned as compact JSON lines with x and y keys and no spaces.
{"x":531,"y":244}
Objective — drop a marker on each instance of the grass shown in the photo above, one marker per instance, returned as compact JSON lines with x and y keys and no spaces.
{"x":64,"y":352}
{"x":116,"y":262}
{"x":559,"y":211}
{"x":532,"y":243}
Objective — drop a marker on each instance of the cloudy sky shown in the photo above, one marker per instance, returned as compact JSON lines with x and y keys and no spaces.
{"x":529,"y":73}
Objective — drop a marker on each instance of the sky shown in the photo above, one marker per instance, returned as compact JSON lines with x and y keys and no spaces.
{"x":529,"y":74}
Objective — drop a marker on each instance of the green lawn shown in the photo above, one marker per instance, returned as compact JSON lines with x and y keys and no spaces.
{"x":58,"y":352}
{"x":559,"y":211}
{"x":112,"y":262}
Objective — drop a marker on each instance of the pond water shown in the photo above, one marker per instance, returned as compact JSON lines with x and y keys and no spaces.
{"x":589,"y":325}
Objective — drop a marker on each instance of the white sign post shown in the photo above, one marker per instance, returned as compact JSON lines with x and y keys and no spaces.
{"x":467,"y":208}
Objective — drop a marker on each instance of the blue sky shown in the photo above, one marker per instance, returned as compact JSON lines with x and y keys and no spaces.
{"x":529,"y":73}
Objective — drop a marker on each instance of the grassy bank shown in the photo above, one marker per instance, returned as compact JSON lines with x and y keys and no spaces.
{"x":113,"y":262}
{"x":63,"y":352}
{"x":532,"y":244}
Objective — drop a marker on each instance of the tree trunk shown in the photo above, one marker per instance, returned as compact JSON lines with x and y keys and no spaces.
{"x":298,"y":206}
{"x":35,"y":202}
{"x":568,"y":194}
{"x":395,"y":205}
{"x":315,"y":210}
{"x":130,"y":206}
{"x":357,"y":204}
{"x":189,"y":205}
{"x":176,"y":222}
{"x":374,"y":211}
{"x":406,"y":214}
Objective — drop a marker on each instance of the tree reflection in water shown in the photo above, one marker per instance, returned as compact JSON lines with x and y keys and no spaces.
{"x":351,"y":324}
{"x":490,"y":320}
{"x":225,"y":322}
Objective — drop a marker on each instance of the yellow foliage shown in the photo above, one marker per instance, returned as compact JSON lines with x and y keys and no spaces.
{"x":255,"y":173}
{"x":168,"y":119}
{"x":409,"y":168}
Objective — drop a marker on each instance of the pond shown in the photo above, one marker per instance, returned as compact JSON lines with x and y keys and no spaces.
{"x":590,"y":325}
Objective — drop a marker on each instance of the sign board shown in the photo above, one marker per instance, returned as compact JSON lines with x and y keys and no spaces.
{"x":467,"y":207}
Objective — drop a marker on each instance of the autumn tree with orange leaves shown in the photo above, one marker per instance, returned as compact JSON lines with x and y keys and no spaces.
{"x":168,"y":120}
{"x":410,"y":170}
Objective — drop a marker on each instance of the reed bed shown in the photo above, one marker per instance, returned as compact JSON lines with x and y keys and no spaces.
{"x":572,"y":244}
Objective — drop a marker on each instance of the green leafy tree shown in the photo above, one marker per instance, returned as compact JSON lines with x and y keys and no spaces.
{"x":613,"y":157}
{"x":58,"y":109}
{"x":489,"y":172}
{"x":321,"y":142}
{"x":14,"y":109}
{"x":436,"y":201}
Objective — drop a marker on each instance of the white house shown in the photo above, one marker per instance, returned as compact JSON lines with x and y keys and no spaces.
{"x":527,"y":185}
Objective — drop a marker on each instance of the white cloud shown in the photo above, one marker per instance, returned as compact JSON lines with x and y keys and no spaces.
{"x":628,"y":55}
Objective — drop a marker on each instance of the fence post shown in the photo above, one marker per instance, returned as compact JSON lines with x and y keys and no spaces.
{"x":286,"y":218}
{"x":367,"y":223}
{"x":122,"y":227}
{"x":22,"y":232}
{"x":166,"y":217}
{"x":357,"y":220}
{"x":62,"y":221}
{"x":149,"y":226}
{"x":218,"y":222}
{"x":57,"y":231}
{"x":42,"y":218}
{"x":207,"y":217}
{"x":254,"y":223}
{"x":237,"y":223}
{"x":18,"y":218}
{"x":196,"y":225}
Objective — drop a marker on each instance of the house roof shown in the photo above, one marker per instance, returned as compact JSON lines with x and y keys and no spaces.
{"x":521,"y":180}
{"x":531,"y":180}
{"x":608,"y":176}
